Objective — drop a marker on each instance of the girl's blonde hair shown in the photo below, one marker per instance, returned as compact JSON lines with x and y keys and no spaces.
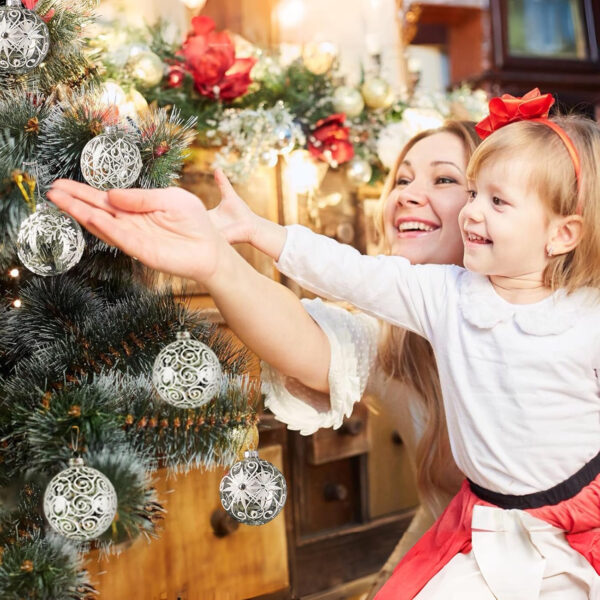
{"x":409,"y":358}
{"x":551,"y":175}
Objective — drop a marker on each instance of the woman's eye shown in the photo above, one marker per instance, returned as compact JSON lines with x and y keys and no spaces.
{"x":402,"y":181}
{"x":497,"y":201}
{"x":445,"y":180}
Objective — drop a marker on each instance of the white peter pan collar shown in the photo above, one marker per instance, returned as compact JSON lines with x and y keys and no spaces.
{"x":483,"y":307}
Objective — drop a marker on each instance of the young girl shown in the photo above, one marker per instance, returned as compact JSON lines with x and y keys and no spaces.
{"x":516,"y":345}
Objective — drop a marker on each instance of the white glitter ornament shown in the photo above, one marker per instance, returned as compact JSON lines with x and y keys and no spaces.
{"x":358,"y":171}
{"x":49,"y":241}
{"x":187,"y":373}
{"x":24,"y":39}
{"x":80,"y":502}
{"x":254,"y":491}
{"x":110,"y":160}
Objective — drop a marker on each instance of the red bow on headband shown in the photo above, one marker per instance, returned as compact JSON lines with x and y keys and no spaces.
{"x":508,"y":109}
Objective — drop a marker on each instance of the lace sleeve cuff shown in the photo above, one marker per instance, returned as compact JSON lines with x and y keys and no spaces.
{"x":353,"y":341}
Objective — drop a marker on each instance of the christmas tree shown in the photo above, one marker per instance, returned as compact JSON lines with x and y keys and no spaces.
{"x":79,"y":338}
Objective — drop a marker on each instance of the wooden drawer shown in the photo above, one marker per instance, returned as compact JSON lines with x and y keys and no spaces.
{"x":188,"y":561}
{"x":331,"y":495}
{"x":351,"y":439}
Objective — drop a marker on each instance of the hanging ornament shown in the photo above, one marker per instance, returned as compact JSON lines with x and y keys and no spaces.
{"x":110,"y":161}
{"x":24,"y":39}
{"x":377,"y":93}
{"x":146,"y":68}
{"x":49,"y":241}
{"x":253,"y":491}
{"x":186,"y":373}
{"x":80,"y":502}
{"x":349,"y":101}
{"x":358,"y":171}
{"x":268,"y":158}
{"x":283,"y":137}
{"x":318,"y":57}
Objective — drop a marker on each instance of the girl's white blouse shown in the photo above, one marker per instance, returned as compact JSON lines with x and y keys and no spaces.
{"x":521,"y":383}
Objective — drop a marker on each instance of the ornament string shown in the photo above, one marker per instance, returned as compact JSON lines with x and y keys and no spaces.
{"x":75,"y":440}
{"x":28,"y":194}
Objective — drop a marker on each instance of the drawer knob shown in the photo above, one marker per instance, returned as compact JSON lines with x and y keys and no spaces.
{"x":351,"y":427}
{"x":335,"y":491}
{"x":222,"y":523}
{"x":397,"y":438}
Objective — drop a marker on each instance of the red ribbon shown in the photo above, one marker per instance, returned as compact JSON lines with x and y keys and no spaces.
{"x":30,"y":4}
{"x":509,"y":109}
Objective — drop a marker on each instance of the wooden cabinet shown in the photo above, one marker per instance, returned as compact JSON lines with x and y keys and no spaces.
{"x":189,"y":561}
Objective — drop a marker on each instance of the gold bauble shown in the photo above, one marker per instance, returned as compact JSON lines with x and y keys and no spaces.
{"x":146,"y":68}
{"x":349,"y":101}
{"x":377,"y":93}
{"x":318,"y":57}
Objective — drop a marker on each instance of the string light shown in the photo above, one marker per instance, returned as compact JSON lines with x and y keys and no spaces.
{"x":17,"y":303}
{"x":14,"y":273}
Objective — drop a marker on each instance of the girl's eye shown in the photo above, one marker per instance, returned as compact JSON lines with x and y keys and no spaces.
{"x":497,"y":201}
{"x":445,"y":180}
{"x":402,"y":181}
{"x":472,"y":194}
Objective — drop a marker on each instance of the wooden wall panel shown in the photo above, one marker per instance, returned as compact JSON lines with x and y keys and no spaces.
{"x":249,"y":18}
{"x":188,"y":562}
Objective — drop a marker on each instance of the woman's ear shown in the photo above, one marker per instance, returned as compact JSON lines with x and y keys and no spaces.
{"x":565,"y":234}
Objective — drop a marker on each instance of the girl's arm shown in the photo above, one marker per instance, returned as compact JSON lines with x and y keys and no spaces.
{"x":169,"y":230}
{"x":386,"y":287}
{"x":236,"y":221}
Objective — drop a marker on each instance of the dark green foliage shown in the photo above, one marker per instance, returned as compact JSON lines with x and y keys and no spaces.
{"x":76,"y":357}
{"x":43,"y":567}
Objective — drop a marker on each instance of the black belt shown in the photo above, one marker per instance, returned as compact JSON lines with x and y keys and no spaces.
{"x":562,"y":491}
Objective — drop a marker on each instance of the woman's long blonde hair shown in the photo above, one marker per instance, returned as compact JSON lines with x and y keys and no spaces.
{"x":409,"y":358}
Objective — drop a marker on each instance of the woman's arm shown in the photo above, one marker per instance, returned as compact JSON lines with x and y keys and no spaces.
{"x":169,"y":230}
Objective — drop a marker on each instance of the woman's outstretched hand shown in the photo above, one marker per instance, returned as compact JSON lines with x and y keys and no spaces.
{"x":167,"y":229}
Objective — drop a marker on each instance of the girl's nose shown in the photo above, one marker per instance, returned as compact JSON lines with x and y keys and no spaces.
{"x":472,"y":211}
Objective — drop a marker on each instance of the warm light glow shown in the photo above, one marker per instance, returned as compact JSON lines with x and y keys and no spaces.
{"x":290,"y":13}
{"x":419,"y":119}
{"x":303,"y":172}
{"x":14,"y":273}
{"x":194,"y":4}
{"x":17,"y":303}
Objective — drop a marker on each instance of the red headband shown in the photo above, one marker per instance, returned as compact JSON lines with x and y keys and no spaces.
{"x":533,"y":106}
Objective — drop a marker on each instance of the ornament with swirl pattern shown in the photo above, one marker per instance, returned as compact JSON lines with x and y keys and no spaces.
{"x":80,"y":503}
{"x":24,"y":39}
{"x":254,"y":491}
{"x":110,"y":160}
{"x":186,"y":373}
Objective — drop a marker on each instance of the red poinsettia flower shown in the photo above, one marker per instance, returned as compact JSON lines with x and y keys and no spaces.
{"x":329,"y":140}
{"x":210,"y":58}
